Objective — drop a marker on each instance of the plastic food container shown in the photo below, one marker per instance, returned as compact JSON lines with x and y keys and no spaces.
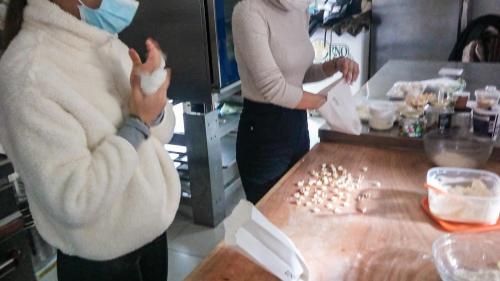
{"x":412,"y":124}
{"x":461,"y":98}
{"x":468,"y":257}
{"x":488,"y":97}
{"x":437,"y":117}
{"x":382,"y":115}
{"x":463,"y":208}
{"x":462,"y":120}
{"x":486,"y":122}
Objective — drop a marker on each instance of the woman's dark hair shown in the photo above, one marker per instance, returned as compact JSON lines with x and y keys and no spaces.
{"x":14,"y":19}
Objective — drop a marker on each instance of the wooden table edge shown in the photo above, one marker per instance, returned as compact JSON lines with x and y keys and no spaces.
{"x":221,"y":245}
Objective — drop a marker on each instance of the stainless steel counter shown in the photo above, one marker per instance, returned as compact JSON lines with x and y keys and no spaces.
{"x":477,"y":75}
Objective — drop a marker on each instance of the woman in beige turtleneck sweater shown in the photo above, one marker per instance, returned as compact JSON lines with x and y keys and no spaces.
{"x":275,"y":57}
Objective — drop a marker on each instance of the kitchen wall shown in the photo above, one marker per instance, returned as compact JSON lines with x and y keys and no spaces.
{"x":413,"y":30}
{"x":483,"y":7}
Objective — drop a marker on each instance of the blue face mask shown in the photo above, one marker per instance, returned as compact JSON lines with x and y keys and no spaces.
{"x":112,"y":16}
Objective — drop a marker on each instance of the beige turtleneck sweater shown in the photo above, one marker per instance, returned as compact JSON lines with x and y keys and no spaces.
{"x":273,"y":50}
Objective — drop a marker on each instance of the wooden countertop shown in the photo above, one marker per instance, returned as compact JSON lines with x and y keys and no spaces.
{"x":391,"y":241}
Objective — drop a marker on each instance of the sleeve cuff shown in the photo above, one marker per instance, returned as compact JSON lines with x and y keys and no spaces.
{"x":134,"y":131}
{"x":159,"y":119}
{"x":321,"y":71}
{"x":315,"y":73}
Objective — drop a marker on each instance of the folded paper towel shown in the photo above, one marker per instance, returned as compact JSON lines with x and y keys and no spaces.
{"x":339,"y":111}
{"x":254,"y":235}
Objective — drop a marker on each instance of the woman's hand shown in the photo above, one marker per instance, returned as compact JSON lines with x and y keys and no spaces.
{"x":311,"y":101}
{"x":147,"y":107}
{"x":153,"y":61}
{"x":348,"y":68}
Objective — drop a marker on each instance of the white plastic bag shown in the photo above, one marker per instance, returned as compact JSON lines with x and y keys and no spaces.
{"x":339,"y":111}
{"x":250,"y":232}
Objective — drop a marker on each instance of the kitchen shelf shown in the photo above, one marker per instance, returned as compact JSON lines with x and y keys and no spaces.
{"x":45,"y":269}
{"x":228,"y":124}
{"x":227,"y":92}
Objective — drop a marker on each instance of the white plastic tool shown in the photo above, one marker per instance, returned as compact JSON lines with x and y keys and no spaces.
{"x":255,"y":236}
{"x":339,"y":111}
{"x":446,"y":71}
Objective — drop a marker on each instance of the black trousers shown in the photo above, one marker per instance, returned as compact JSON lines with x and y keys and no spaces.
{"x":148,"y":263}
{"x":271,"y":139}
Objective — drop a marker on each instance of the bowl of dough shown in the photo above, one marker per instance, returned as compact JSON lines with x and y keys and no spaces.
{"x":457,"y":148}
{"x":464,"y":195}
{"x":468,"y":257}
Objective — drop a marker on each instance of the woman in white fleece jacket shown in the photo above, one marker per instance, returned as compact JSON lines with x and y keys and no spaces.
{"x":76,"y":126}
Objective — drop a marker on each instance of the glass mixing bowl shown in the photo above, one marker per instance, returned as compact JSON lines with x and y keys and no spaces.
{"x":468,"y":257}
{"x":457,"y":148}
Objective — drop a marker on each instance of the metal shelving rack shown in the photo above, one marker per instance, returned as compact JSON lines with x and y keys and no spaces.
{"x":208,"y":169}
{"x":196,"y":36}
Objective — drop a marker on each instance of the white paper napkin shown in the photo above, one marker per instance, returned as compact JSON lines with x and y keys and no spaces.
{"x":255,"y":236}
{"x":339,"y":111}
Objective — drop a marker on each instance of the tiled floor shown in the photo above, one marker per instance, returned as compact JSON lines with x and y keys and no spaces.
{"x":188,"y":243}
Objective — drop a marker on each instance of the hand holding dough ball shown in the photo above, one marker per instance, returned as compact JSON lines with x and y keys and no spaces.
{"x":152,"y":73}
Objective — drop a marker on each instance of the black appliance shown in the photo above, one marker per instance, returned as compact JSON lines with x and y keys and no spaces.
{"x":15,"y":251}
{"x":8,"y":203}
{"x":196,"y":36}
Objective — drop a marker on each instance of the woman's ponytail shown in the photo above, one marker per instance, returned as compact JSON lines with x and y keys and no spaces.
{"x":14,"y":19}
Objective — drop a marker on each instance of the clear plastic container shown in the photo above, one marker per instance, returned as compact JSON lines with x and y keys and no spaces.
{"x":486,"y":122}
{"x":450,"y":206}
{"x":488,"y":97}
{"x":412,"y":124}
{"x":468,"y":257}
{"x":382,"y":115}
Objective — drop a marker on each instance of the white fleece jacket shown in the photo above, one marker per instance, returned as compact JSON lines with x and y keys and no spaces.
{"x":64,"y":87}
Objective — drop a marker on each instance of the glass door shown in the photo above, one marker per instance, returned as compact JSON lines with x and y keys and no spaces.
{"x":228,"y":71}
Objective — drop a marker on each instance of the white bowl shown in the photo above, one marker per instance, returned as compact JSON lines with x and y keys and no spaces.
{"x":381,"y":124}
{"x":382,"y":109}
{"x":382,"y":115}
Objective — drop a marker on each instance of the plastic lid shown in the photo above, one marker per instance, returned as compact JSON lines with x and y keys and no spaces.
{"x":493,"y":111}
{"x":461,"y":94}
{"x":488,"y":90}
